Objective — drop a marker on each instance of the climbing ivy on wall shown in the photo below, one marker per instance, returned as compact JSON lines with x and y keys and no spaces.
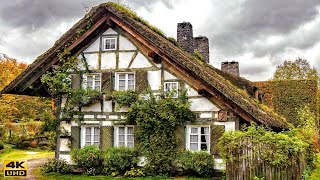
{"x":157,"y":119}
{"x":288,"y":96}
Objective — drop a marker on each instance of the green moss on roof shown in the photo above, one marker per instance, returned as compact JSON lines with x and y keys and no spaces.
{"x":227,"y":85}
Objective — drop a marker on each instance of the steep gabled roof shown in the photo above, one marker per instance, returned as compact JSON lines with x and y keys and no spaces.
{"x":207,"y":80}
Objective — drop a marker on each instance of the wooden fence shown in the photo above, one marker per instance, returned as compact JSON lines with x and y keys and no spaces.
{"x":250,"y":164}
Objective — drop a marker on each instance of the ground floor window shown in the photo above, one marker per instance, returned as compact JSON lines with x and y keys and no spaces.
{"x":198,"y":138}
{"x":90,"y":136}
{"x":123,"y":136}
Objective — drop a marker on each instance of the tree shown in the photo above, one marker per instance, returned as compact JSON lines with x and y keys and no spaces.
{"x":298,"y":69}
{"x":16,"y":108}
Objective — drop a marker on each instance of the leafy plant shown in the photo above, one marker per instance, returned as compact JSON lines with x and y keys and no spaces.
{"x":88,"y":157}
{"x":157,"y":119}
{"x":124,"y":98}
{"x":119,"y":160}
{"x":1,"y":145}
{"x":196,"y":163}
{"x":134,"y":172}
{"x":56,"y":165}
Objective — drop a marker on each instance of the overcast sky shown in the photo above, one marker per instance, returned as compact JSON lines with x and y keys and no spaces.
{"x":259,"y":34}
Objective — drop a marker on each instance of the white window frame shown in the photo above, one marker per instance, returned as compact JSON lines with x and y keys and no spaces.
{"x":104,"y":39}
{"x":176,"y":95}
{"x":117,"y":79}
{"x":116,"y":135}
{"x":85,"y":83}
{"x":83,"y":135}
{"x":199,"y":137}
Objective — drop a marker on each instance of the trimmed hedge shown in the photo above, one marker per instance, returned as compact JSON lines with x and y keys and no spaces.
{"x":286,"y":97}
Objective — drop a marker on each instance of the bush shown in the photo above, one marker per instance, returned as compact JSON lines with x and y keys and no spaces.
{"x":196,"y":163}
{"x":88,"y":157}
{"x":56,"y":165}
{"x":134,"y":172}
{"x":119,"y":160}
{"x":1,"y":145}
{"x":25,"y":144}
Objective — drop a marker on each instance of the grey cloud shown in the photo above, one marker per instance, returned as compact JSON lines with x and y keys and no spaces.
{"x":256,"y":19}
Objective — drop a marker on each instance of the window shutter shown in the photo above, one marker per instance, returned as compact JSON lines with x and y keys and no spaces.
{"x":106,"y":137}
{"x":216,"y":132}
{"x":180,"y":137}
{"x":141,"y":80}
{"x":75,"y":81}
{"x":107,"y":83}
{"x":75,"y":137}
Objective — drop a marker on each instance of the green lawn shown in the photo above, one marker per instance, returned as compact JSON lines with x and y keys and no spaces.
{"x":52,"y":176}
{"x":15,"y":154}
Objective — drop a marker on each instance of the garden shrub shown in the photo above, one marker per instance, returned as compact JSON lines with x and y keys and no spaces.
{"x":56,"y":165}
{"x":1,"y":145}
{"x":134,"y":172}
{"x":196,"y":163}
{"x":88,"y":157}
{"x":119,"y":160}
{"x":25,"y":144}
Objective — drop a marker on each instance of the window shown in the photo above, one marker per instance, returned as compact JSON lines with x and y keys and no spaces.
{"x":198,"y":138}
{"x":125,"y":81}
{"x":109,"y":43}
{"x":93,"y":81}
{"x":91,"y":136}
{"x":171,"y":87}
{"x":124,"y":136}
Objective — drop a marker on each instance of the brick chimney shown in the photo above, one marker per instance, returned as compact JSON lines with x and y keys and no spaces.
{"x":201,"y":44}
{"x":185,"y":36}
{"x":231,"y":67}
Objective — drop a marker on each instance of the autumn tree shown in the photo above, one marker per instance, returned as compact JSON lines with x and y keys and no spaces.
{"x":298,"y":69}
{"x":17,"y":108}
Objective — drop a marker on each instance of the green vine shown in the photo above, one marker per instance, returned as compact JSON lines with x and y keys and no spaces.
{"x":123,"y":98}
{"x":157,"y":119}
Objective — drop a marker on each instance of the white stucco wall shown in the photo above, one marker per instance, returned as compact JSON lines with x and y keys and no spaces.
{"x":107,"y":106}
{"x":124,"y":59}
{"x":66,"y":126}
{"x":125,"y":44}
{"x":140,"y":62}
{"x":229,"y":125}
{"x":108,"y":60}
{"x":110,"y":31}
{"x":202,"y":104}
{"x":154,"y":79}
{"x":95,"y":107}
{"x":94,"y":47}
{"x":64,"y":144}
{"x":92,"y":60}
{"x":190,"y":91}
{"x":66,"y":157}
{"x":169,"y":76}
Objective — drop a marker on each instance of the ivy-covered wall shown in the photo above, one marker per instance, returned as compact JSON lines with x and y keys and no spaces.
{"x":287,"y":96}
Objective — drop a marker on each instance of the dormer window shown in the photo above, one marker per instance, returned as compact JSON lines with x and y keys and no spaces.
{"x":109,"y":43}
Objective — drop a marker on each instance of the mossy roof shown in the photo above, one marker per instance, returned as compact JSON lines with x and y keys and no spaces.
{"x":226,"y":84}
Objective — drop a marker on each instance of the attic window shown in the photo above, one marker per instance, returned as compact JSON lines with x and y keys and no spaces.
{"x":109,"y":43}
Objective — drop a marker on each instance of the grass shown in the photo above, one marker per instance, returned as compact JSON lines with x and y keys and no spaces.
{"x":315,"y":175}
{"x":16,"y":154}
{"x":52,"y":176}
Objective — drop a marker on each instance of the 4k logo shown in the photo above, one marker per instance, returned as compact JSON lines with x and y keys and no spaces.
{"x":15,"y":168}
